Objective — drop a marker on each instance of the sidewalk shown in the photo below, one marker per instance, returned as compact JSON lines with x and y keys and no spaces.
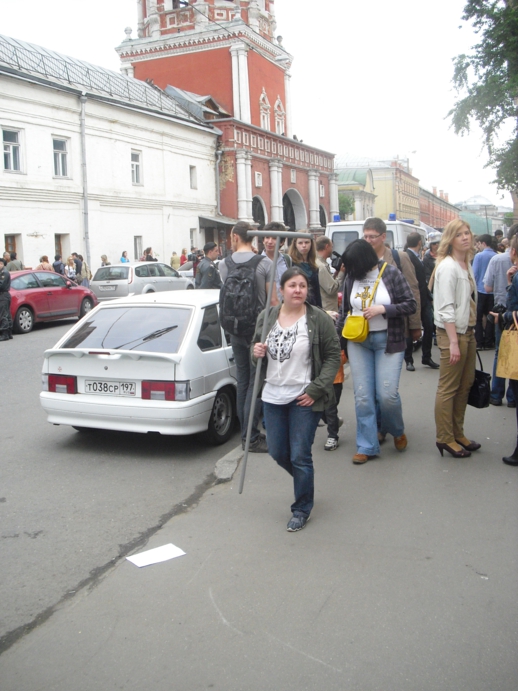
{"x":403,"y":580}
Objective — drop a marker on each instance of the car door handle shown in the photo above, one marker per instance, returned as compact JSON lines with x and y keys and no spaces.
{"x":49,"y":292}
{"x":231,"y":359}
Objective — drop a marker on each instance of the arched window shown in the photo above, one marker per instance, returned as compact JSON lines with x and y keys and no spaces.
{"x":264,"y":108}
{"x":280,"y":116}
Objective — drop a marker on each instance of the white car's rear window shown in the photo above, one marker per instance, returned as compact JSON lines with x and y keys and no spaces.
{"x":112,"y":273}
{"x":155,"y":329}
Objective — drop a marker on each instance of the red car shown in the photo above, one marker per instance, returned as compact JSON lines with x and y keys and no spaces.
{"x":42,"y":296}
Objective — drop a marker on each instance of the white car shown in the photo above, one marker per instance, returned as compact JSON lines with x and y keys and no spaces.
{"x":148,"y":363}
{"x":137,"y":278}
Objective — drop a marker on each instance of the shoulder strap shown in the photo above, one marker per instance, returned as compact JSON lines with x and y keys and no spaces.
{"x":377,"y":283}
{"x":397,"y":258}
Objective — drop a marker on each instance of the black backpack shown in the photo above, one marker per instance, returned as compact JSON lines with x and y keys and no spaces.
{"x":238,"y":303}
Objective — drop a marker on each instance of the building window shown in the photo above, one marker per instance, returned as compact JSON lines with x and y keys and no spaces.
{"x":10,"y":243}
{"x":258,"y":179}
{"x":280,"y":116}
{"x":307,"y":157}
{"x":268,"y":145}
{"x":264,"y":108}
{"x":260,"y":141}
{"x":253,"y":140}
{"x":193,"y":177}
{"x":136,"y":168}
{"x":293,"y":175}
{"x":322,"y":191}
{"x":274,"y":148}
{"x":237,"y":136}
{"x":60,"y":157}
{"x":297,"y":154}
{"x":245,"y":138}
{"x":12,"y":159}
{"x":285,"y":150}
{"x":311,"y":158}
{"x":292,"y":153}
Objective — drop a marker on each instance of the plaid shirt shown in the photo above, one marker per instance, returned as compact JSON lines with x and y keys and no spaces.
{"x":402,"y":305}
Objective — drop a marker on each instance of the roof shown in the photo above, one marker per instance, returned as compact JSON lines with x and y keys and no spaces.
{"x":352,"y":175}
{"x":30,"y":59}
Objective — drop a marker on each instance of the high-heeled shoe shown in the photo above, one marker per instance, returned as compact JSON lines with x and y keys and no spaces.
{"x":472,"y":446}
{"x":456,"y":454}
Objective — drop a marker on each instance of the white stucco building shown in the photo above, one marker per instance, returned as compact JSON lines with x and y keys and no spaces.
{"x":97,"y":162}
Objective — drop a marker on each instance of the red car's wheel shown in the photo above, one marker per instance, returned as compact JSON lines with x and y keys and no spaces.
{"x":24,"y":321}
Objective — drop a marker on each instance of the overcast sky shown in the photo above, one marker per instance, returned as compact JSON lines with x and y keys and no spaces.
{"x":369,"y":78}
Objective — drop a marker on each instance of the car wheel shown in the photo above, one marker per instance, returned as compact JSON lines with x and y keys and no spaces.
{"x":148,"y":292}
{"x":86,"y":306}
{"x":190,"y":287}
{"x":23,"y":321}
{"x":221,"y":423}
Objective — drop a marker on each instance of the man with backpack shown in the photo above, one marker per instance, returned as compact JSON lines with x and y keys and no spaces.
{"x":246,"y":278}
{"x":58,"y":265}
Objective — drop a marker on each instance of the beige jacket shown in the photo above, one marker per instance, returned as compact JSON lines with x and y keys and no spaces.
{"x":408,"y":271}
{"x":451,"y":294}
{"x":329,"y":286}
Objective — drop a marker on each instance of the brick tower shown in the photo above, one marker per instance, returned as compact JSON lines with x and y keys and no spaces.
{"x":227,"y":49}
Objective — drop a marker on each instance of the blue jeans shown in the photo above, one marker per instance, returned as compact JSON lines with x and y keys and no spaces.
{"x":498,"y":385}
{"x":376,"y":381}
{"x":291,"y":431}
{"x":245,"y":374}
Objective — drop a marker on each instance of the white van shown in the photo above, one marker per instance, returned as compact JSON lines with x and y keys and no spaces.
{"x":342,"y":233}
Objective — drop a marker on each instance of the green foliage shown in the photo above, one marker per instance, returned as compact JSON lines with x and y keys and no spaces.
{"x":487,"y":79}
{"x":345,"y":205}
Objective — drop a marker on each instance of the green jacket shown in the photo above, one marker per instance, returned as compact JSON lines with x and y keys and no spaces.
{"x":325,"y":353}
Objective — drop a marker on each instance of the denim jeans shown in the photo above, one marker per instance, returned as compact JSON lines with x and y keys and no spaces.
{"x":245,"y":373}
{"x":291,"y":431}
{"x":376,"y":381}
{"x":498,"y":385}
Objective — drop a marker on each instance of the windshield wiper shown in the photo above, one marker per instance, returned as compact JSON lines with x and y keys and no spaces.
{"x":149,"y":337}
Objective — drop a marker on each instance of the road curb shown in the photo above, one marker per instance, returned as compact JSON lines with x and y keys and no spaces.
{"x":226,"y":466}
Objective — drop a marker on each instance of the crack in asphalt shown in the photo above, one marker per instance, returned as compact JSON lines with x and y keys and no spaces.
{"x":183,"y":506}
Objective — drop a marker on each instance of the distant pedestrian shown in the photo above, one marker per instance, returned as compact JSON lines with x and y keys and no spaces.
{"x":174,"y":261}
{"x":86,"y":274}
{"x":58,"y":265}
{"x":124,"y":258}
{"x":148,"y":255}
{"x":183,"y":256}
{"x":207,"y":275}
{"x":44,"y":264}
{"x":70,"y":269}
{"x":14,"y":263}
{"x":6,"y":323}
{"x":104,"y":260}
{"x":484,"y":334}
{"x":79,"y":265}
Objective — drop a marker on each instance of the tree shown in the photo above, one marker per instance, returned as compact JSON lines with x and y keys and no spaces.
{"x":345,"y":205}
{"x":487,"y":79}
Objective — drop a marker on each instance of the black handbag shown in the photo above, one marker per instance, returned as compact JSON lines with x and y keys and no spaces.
{"x":481,"y":389}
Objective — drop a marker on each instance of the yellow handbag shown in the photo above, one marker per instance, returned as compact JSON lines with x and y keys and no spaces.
{"x":507,"y":365}
{"x":356,"y":327}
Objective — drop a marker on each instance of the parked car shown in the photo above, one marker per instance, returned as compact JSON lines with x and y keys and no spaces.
{"x":137,"y":278}
{"x":41,"y":296}
{"x":342,"y":233}
{"x":147,"y":363}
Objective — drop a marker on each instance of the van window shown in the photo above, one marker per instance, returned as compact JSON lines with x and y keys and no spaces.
{"x":342,"y":238}
{"x":390,"y":239}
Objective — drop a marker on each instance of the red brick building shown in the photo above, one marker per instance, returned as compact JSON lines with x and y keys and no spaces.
{"x":435,"y":209}
{"x":226,"y":51}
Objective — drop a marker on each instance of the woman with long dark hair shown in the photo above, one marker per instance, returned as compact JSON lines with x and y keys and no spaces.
{"x":380,"y":293}
{"x":303,"y":253}
{"x":300,"y":359}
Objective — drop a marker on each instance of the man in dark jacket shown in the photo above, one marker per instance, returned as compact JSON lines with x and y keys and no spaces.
{"x":58,"y":265}
{"x":6,"y":323}
{"x":207,"y":275}
{"x":413,"y":249}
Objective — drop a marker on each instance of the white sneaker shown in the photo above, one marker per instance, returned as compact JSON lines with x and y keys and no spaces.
{"x":331,"y":444}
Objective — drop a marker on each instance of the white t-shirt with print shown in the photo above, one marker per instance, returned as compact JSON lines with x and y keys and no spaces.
{"x":288,"y":371}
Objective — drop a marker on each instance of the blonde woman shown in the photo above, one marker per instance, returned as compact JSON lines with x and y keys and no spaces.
{"x":70,"y":269}
{"x":455,"y":315}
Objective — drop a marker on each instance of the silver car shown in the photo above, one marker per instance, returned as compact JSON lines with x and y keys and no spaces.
{"x":137,"y":278}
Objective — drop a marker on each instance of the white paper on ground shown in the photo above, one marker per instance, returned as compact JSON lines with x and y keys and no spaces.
{"x":156,"y":555}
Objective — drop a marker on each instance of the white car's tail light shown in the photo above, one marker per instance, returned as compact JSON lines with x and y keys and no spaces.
{"x":165,"y":391}
{"x":60,"y":383}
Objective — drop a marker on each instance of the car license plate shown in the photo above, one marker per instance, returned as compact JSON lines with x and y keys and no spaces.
{"x":111,"y":388}
{"x":105,"y":289}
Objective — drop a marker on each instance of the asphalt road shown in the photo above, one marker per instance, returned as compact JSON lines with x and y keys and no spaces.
{"x":71,"y":504}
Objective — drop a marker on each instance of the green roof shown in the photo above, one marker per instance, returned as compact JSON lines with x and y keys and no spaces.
{"x":351,"y":175}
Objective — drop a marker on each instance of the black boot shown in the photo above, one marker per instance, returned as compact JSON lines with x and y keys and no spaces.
{"x":10,"y":334}
{"x":513,"y":459}
{"x":4,"y":336}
